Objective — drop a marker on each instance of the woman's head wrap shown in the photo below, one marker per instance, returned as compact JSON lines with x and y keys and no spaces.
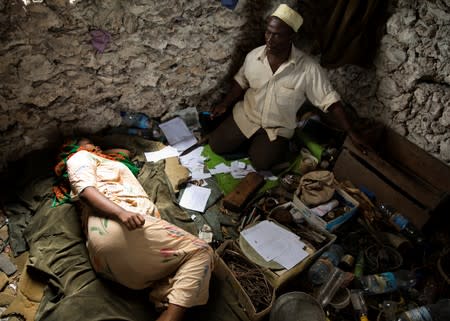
{"x":61,"y":188}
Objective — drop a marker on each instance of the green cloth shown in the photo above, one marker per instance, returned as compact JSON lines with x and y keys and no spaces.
{"x":226,"y":181}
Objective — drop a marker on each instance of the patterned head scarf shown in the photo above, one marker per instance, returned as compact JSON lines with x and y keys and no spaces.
{"x":61,"y":188}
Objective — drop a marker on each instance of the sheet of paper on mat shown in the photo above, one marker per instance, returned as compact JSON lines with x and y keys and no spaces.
{"x":164,"y":153}
{"x":195,"y":198}
{"x":273,"y":242}
{"x":178,"y":134}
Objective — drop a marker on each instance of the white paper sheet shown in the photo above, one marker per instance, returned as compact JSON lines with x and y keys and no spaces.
{"x":195,"y":163}
{"x":293,"y":255}
{"x":164,"y":153}
{"x":195,"y":198}
{"x":178,"y":134}
{"x":220,"y":168}
{"x":273,"y":242}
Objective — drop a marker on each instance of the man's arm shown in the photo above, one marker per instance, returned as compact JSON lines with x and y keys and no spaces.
{"x":339,"y":114}
{"x":234,"y":95}
{"x":105,"y":207}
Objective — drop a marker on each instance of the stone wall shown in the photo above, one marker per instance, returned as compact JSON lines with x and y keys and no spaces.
{"x":171,"y":54}
{"x":409,"y":87}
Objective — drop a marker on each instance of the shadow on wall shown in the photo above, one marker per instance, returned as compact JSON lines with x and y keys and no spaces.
{"x":250,"y":36}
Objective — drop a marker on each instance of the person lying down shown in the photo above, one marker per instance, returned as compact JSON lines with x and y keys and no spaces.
{"x":127,"y":240}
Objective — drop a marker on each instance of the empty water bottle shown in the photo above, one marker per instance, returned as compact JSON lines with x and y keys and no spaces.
{"x":330,"y":287}
{"x":322,"y":268}
{"x":388,"y":282}
{"x":439,"y":311}
{"x":135,"y":119}
{"x":401,"y":223}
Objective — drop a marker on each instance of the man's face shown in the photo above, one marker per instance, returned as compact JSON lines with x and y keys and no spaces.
{"x":278,"y":36}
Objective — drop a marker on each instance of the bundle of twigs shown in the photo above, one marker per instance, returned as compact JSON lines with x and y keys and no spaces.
{"x":250,"y":277}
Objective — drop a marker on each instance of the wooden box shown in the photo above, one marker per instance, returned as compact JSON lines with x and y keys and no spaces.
{"x":399,"y":173}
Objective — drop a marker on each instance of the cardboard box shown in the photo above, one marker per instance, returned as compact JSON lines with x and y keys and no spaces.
{"x":223,"y":272}
{"x":400,"y":174}
{"x":277,"y":276}
{"x":343,"y":198}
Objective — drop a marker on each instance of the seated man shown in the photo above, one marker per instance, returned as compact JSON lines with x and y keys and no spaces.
{"x":267,"y":92}
{"x":127,"y":240}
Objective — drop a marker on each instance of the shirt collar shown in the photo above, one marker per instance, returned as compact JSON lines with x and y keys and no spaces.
{"x":293,"y":55}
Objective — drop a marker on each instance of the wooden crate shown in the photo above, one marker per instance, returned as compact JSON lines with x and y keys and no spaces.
{"x":400,"y":174}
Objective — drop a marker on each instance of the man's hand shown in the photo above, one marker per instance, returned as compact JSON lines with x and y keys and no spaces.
{"x":131,"y":220}
{"x":218,"y":110}
{"x":360,"y":142}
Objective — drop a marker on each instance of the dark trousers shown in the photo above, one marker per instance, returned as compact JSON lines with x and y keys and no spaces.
{"x":263,"y":153}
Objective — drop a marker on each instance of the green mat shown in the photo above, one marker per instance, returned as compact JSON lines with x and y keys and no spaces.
{"x":226,"y":181}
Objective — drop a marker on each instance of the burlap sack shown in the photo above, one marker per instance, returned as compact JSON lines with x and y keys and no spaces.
{"x":316,"y":187}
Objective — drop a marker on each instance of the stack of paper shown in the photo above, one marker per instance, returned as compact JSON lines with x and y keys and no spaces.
{"x":195,"y":162}
{"x":274,"y":243}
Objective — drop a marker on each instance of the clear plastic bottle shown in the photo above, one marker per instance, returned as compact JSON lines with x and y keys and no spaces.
{"x":330,"y":287}
{"x":388,"y":282}
{"x":439,"y":311}
{"x":135,"y":120}
{"x":359,"y":304}
{"x":401,"y":223}
{"x":319,"y":272}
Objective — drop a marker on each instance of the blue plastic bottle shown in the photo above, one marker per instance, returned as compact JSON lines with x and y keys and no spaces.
{"x":135,"y":120}
{"x":388,"y":282}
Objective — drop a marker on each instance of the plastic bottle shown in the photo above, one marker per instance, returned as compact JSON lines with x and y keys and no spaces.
{"x":401,"y":223}
{"x":330,"y":287}
{"x":135,"y":119}
{"x":146,"y":133}
{"x":359,"y":304}
{"x":359,"y":265}
{"x":440,"y":311}
{"x":319,"y":272}
{"x":389,"y":310}
{"x":388,"y":282}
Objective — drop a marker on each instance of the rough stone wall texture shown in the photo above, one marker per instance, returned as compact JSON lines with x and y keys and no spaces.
{"x":409,"y":87}
{"x":171,"y":54}
{"x":163,"y":56}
